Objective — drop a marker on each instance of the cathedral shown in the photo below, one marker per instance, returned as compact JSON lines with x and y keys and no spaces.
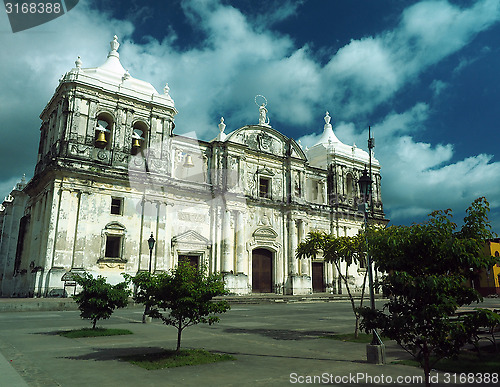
{"x":115,"y":191}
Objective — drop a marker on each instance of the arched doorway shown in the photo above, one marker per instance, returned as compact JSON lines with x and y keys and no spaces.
{"x":262,"y":271}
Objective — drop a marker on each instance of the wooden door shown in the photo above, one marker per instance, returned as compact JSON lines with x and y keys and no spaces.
{"x":262,"y":271}
{"x":318,"y":277}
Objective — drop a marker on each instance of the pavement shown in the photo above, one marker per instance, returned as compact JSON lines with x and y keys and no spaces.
{"x":275,"y":344}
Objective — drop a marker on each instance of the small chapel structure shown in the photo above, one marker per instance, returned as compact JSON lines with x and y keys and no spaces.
{"x":111,"y":173}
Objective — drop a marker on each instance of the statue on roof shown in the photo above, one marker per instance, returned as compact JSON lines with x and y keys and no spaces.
{"x":263,"y":119}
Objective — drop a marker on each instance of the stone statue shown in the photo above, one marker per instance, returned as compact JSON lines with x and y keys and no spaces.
{"x":263,"y":119}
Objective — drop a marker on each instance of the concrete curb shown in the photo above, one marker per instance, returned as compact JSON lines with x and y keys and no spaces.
{"x":59,"y":304}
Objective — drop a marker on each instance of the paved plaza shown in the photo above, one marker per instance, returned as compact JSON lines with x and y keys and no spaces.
{"x":275,"y":344}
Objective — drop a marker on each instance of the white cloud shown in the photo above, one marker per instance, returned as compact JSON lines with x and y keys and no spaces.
{"x":371,"y":70}
{"x":419,"y":177}
{"x":438,"y":86}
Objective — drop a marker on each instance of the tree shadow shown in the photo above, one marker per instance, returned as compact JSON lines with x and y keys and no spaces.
{"x":103,"y":354}
{"x":281,"y":334}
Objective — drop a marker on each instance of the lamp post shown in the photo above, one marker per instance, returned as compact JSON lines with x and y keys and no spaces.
{"x":151,"y":244}
{"x":365,"y":183}
{"x":375,"y":351}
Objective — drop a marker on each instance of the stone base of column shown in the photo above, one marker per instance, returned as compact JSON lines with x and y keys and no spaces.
{"x":375,"y":353}
{"x":299,"y":285}
{"x":237,"y":284}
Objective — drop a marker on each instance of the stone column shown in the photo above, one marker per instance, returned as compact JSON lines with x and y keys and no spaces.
{"x":241,"y":262}
{"x":292,"y":229}
{"x":304,"y":263}
{"x":330,"y":276}
{"x":64,"y":235}
{"x":81,"y":230}
{"x":148,"y":226}
{"x":227,"y":248}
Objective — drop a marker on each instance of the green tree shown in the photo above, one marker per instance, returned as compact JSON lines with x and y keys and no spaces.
{"x":427,"y":267}
{"x":338,"y":250}
{"x":183,"y":294}
{"x":98,"y":299}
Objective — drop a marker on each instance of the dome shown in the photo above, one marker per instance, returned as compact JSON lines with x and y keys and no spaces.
{"x":113,"y":77}
{"x":329,"y":146}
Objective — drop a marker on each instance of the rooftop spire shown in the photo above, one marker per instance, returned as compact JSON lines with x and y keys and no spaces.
{"x":113,"y":62}
{"x":222,"y":136}
{"x":114,"y":47}
{"x":328,"y":137}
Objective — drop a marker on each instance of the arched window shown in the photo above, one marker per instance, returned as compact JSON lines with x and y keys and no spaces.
{"x":103,"y":131}
{"x":113,"y":238}
{"x":139,"y":137}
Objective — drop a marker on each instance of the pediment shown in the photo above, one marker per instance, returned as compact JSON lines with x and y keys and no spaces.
{"x":115,"y":226}
{"x":265,"y":233}
{"x":266,"y":139}
{"x":265,"y":171}
{"x":191,"y":237}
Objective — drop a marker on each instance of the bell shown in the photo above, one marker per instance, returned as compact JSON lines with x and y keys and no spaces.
{"x":189,"y":162}
{"x":101,"y":140}
{"x":136,"y":144}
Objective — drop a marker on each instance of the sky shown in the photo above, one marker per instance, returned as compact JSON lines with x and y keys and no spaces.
{"x":425,"y":75}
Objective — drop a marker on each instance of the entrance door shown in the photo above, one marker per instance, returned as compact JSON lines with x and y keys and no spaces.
{"x":318,"y":277}
{"x":193,"y":260}
{"x":262,"y":271}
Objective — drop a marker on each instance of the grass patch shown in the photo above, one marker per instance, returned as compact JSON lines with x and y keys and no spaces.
{"x":89,"y":332}
{"x":170,"y":358}
{"x":465,"y":362}
{"x":362,"y":337}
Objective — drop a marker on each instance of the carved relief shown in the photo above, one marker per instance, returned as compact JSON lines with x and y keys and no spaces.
{"x":80,"y":150}
{"x":101,"y":155}
{"x":120,"y":158}
{"x":277,"y":188}
{"x":265,"y":141}
{"x":265,"y":217}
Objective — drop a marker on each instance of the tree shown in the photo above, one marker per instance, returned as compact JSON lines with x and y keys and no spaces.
{"x":337,"y":250}
{"x":186,"y":292}
{"x":98,"y":299}
{"x":427,"y":266}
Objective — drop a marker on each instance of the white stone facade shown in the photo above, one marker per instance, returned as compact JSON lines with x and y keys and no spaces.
{"x":111,"y":172}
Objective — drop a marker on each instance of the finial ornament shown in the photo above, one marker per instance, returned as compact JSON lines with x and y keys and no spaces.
{"x":327,"y":120}
{"x":78,"y":62}
{"x":126,"y":76}
{"x":114,"y":43}
{"x":114,"y":47}
{"x":222,"y":125}
{"x":166,"y":89}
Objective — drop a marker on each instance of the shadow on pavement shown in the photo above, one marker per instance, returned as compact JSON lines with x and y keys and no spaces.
{"x":281,"y":334}
{"x":102,"y":354}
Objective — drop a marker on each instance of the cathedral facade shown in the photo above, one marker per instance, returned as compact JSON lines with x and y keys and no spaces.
{"x":111,"y":175}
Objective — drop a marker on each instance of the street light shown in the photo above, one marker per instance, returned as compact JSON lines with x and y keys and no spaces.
{"x":375,"y":351}
{"x":365,"y":184}
{"x":151,"y":244}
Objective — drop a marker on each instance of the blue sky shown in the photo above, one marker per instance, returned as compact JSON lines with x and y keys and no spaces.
{"x":424,"y":74}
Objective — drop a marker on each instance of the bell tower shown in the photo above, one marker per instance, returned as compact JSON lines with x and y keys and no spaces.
{"x":100,"y":116}
{"x":83,"y":212}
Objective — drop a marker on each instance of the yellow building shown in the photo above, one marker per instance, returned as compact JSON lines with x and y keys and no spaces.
{"x":488,"y":281}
